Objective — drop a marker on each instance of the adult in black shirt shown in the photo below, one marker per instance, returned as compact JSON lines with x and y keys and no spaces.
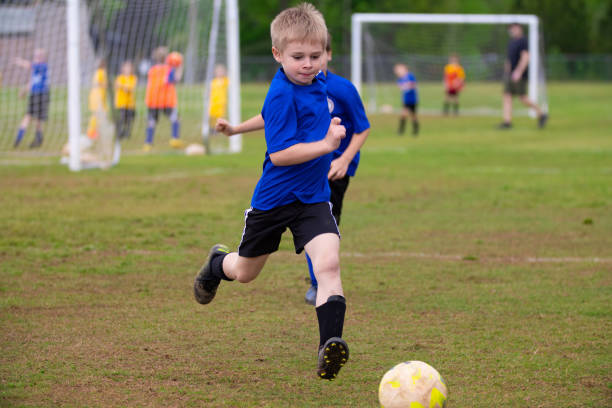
{"x":515,"y":77}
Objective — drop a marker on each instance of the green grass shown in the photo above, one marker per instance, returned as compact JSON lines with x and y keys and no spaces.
{"x":484,"y":253}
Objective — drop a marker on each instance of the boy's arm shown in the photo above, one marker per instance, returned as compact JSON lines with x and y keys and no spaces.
{"x":339,"y":166}
{"x":22,"y":63}
{"x":249,"y":125}
{"x":303,"y":152}
{"x":520,"y":67}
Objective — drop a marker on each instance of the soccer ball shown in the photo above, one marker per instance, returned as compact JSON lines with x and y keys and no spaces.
{"x":195,"y":149}
{"x":174,"y":59}
{"x":413,"y":384}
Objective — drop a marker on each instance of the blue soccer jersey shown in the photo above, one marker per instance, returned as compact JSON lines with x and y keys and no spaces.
{"x":345,"y":103}
{"x":407,"y":84}
{"x":39,"y":82}
{"x":293,"y":114}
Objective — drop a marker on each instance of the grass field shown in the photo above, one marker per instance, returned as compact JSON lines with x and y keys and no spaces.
{"x":487,"y":254}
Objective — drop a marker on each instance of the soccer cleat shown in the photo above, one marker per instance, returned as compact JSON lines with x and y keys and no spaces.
{"x":311,"y":295}
{"x":542,"y":119}
{"x":332,"y":356}
{"x":36,"y":143}
{"x":176,"y":143}
{"x":206,"y":284}
{"x":505,"y":126}
{"x":147,"y":147}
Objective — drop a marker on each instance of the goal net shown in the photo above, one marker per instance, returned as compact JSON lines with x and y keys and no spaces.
{"x":425,"y":42}
{"x":75,"y":77}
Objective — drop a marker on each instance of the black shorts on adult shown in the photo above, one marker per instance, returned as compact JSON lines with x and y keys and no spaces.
{"x":515,"y":88}
{"x":263,"y":229}
{"x":153,"y":113}
{"x":38,"y":105}
{"x":412,"y":107}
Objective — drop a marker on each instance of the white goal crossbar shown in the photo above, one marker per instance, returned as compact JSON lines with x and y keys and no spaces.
{"x":531,"y":21}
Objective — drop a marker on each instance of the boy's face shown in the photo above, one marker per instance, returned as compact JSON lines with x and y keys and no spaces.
{"x":400,"y":70}
{"x":301,"y":61}
{"x":127,"y":68}
{"x":39,"y":56}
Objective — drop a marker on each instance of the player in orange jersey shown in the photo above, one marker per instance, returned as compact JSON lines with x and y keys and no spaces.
{"x":161,"y":97}
{"x":454,"y":78}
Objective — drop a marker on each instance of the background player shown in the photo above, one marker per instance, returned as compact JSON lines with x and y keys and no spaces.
{"x":515,"y":77}
{"x":293,"y":191}
{"x":38,"y":99}
{"x":125,"y":102}
{"x":218,"y":95}
{"x":344,"y":102}
{"x":97,"y":99}
{"x":161,"y":97}
{"x":410,"y":99}
{"x":454,"y":79}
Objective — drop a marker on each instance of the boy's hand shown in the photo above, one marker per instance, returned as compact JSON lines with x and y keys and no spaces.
{"x":224,"y":127}
{"x":335,"y":133}
{"x":516,"y":76}
{"x":338,"y":168}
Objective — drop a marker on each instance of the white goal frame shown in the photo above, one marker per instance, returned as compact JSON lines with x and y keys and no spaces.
{"x":74,"y":68}
{"x":531,"y":21}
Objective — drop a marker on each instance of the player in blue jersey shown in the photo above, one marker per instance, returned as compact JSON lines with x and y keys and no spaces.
{"x":38,"y":99}
{"x":410,"y":98}
{"x":293,"y":191}
{"x":345,"y":103}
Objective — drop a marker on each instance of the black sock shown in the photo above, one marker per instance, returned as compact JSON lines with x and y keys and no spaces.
{"x":446,"y":107}
{"x":216,"y":267}
{"x":415,"y":127}
{"x":402,"y":125}
{"x":456,"y":108}
{"x":331,"y":318}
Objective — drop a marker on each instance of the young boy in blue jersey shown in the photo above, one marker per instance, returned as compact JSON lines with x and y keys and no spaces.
{"x":345,"y":103}
{"x":38,"y":99}
{"x":407,"y":83}
{"x":293,"y":191}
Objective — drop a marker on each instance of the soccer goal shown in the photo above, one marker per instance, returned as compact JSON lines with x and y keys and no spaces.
{"x":425,"y":42}
{"x":65,"y":62}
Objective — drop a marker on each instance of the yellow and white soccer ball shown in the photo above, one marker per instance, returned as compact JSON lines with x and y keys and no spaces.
{"x":413,"y":384}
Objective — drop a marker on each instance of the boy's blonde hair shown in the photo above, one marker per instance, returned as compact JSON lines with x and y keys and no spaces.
{"x":302,"y":23}
{"x":159,"y":54}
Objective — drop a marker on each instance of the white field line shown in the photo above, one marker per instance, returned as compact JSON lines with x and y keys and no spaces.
{"x":450,"y":257}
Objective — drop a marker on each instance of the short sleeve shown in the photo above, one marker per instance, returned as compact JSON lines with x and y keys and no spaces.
{"x":355,"y":110}
{"x":523,"y":45}
{"x":280,"y":120}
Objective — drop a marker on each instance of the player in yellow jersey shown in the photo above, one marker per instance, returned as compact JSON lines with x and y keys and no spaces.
{"x":454,"y":78}
{"x":218,"y":95}
{"x":97,"y":99}
{"x":125,"y":102}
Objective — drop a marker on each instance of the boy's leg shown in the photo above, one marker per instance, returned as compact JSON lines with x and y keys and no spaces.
{"x":415,"y":121}
{"x":331,"y":305}
{"x":175,"y":128}
{"x":507,"y":110}
{"x":222,"y":264}
{"x":129,"y":122}
{"x":446,"y":103}
{"x":23,"y":126}
{"x":542,"y":117}
{"x":38,"y":139}
{"x":151,"y":123}
{"x":338,"y":189}
{"x":402,"y":122}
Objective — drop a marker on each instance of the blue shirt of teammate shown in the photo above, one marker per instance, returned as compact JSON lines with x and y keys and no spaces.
{"x":345,"y":103}
{"x":39,"y":82}
{"x":407,"y":83}
{"x":293,"y":114}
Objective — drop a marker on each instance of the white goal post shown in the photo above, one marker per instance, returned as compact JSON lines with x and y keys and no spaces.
{"x":531,"y":21}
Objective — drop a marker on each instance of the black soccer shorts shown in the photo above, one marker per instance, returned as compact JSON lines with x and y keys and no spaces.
{"x":263,"y":229}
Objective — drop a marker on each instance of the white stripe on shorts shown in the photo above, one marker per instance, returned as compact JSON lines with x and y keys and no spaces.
{"x":332,"y":214}
{"x":246,"y":215}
